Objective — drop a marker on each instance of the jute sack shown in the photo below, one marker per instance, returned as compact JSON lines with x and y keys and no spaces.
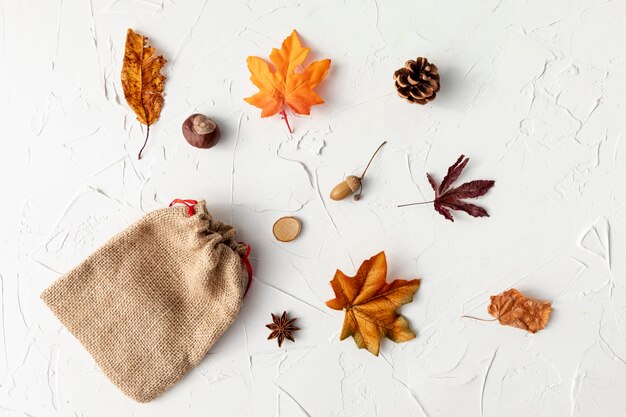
{"x":151,"y":302}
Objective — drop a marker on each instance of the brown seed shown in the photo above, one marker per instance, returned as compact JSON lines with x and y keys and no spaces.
{"x":352,"y":183}
{"x":200,"y":131}
{"x":287,"y":228}
{"x":349,"y":186}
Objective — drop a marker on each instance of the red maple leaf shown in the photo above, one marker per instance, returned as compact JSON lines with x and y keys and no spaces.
{"x":451,"y":198}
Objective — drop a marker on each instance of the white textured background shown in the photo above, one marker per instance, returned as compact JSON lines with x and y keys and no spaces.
{"x":533,"y":91}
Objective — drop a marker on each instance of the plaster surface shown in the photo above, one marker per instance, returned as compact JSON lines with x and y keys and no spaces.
{"x":533,"y":91}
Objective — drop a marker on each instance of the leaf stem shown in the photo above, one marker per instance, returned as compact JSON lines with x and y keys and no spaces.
{"x":476,"y":318}
{"x":283,"y":113}
{"x":145,"y":141}
{"x":371,"y":159}
{"x":416,"y":204}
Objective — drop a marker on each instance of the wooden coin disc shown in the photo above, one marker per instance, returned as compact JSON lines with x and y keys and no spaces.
{"x":287,"y":228}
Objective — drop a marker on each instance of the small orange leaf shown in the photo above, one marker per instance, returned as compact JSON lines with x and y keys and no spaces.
{"x":281,"y":85}
{"x":370,"y":304}
{"x":512,"y":308}
{"x":142,"y":80}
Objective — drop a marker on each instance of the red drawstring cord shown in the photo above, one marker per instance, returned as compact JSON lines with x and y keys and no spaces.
{"x":189,"y":203}
{"x":246,"y":261}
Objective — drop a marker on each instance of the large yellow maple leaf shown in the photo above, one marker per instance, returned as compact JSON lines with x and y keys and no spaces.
{"x":370,"y":304}
{"x":281,"y":85}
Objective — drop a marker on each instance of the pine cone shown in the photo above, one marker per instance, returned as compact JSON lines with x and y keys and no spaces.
{"x":418,"y":81}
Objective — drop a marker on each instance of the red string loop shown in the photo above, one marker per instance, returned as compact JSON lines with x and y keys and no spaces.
{"x":189,"y":203}
{"x":246,"y":262}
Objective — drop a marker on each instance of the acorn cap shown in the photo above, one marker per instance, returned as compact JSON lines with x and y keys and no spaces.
{"x":353,"y":182}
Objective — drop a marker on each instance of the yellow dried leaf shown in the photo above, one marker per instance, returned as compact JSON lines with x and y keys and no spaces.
{"x":142,"y":80}
{"x":370,"y":304}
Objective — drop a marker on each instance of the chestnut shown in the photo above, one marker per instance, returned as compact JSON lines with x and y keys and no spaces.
{"x":200,"y":131}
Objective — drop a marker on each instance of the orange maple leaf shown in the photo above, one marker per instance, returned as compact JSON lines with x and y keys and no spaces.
{"x":281,"y":85}
{"x":370,"y":304}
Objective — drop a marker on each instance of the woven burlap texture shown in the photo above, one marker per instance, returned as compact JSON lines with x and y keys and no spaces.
{"x":151,"y":302}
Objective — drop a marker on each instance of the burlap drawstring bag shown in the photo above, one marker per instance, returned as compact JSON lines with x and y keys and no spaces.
{"x":151,"y":302}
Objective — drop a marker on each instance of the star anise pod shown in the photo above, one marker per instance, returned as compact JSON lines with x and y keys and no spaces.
{"x":282,"y":328}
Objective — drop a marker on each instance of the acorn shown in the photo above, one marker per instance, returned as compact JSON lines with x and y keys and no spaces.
{"x":352,"y":183}
{"x":349,"y":186}
{"x":200,"y":131}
